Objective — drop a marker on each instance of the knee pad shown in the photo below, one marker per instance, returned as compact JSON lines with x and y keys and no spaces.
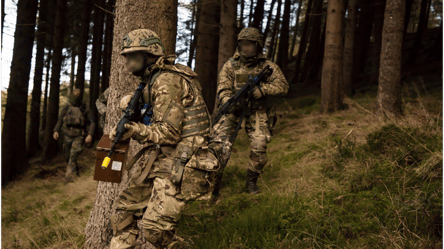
{"x":258,"y":160}
{"x":159,"y":238}
{"x":120,"y":220}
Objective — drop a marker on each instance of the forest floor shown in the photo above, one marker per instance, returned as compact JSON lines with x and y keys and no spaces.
{"x":349,"y":179}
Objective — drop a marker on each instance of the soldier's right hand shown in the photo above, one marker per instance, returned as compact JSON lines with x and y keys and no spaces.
{"x":55,"y":135}
{"x":124,"y":102}
{"x":235,"y":108}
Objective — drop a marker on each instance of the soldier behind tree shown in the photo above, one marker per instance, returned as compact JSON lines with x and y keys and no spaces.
{"x":249,"y":60}
{"x":101,"y":103}
{"x":75,"y":116}
{"x":179,"y":126}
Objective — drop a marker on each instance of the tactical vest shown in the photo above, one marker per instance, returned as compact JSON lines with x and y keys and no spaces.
{"x":196,"y":119}
{"x":75,"y":116}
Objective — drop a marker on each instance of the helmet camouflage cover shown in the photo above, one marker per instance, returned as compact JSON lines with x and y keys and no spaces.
{"x":251,"y":34}
{"x":142,"y":40}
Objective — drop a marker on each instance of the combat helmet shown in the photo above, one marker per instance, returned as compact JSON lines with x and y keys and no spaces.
{"x":251,"y":34}
{"x":142,"y":40}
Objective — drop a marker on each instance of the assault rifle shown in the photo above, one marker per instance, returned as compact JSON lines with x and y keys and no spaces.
{"x":244,"y":94}
{"x":131,"y":113}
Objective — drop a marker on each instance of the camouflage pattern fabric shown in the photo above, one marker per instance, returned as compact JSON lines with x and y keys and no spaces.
{"x":142,"y":40}
{"x":72,"y":148}
{"x":251,"y":34}
{"x":178,"y":125}
{"x":101,"y":103}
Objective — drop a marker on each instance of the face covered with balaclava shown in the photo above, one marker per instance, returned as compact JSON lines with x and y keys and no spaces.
{"x":76,"y":97}
{"x":137,"y":62}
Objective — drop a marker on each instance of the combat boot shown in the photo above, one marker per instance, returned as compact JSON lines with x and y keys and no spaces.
{"x":252,"y":182}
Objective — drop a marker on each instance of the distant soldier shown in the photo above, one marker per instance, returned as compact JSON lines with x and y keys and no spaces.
{"x":75,"y":116}
{"x":178,"y":124}
{"x":249,"y":60}
{"x":101,"y":103}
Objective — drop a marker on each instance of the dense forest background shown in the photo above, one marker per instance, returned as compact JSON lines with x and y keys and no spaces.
{"x":365,"y":101}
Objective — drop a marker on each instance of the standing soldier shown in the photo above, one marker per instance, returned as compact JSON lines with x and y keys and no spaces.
{"x":75,"y":116}
{"x":249,"y":60}
{"x":101,"y":103}
{"x":179,"y":126}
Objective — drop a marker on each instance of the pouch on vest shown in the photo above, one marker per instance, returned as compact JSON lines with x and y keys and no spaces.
{"x":74,"y":117}
{"x":199,"y":174}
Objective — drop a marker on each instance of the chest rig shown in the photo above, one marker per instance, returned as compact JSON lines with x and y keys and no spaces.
{"x":242,"y":73}
{"x":75,"y":116}
{"x":196,"y":120}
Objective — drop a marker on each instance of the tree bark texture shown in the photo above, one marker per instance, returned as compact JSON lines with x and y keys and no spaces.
{"x":331,"y":92}
{"x":83,"y":44}
{"x":14,"y":124}
{"x":282,"y":56}
{"x":377,"y":40}
{"x":389,"y":88}
{"x":159,"y":16}
{"x":32,"y":144}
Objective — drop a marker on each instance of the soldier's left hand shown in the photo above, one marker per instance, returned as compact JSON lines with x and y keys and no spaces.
{"x":257,"y":93}
{"x":130,"y":127}
{"x":88,"y":139}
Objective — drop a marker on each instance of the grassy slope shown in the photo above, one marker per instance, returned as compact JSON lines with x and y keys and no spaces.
{"x":348,"y":180}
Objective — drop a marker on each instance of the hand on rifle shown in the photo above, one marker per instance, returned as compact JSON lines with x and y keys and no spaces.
{"x":131,"y":128}
{"x":258,"y":92}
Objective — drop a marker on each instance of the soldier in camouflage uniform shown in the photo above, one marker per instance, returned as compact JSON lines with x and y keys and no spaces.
{"x":249,"y":60}
{"x":101,"y":103}
{"x":75,"y":116}
{"x":182,"y":169}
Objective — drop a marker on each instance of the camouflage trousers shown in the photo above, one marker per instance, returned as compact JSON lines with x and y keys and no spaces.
{"x":72,"y":148}
{"x":154,"y":201}
{"x":256,"y":126}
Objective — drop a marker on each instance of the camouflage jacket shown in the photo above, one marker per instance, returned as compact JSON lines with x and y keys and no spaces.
{"x":102,"y":101}
{"x":76,"y":119}
{"x":234,"y":75}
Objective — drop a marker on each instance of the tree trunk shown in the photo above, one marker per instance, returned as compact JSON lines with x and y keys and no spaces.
{"x":349,"y":43}
{"x":422,"y":28}
{"x":45,"y":98}
{"x":270,"y":15}
{"x":150,"y":15}
{"x":227,"y":39}
{"x":408,"y":11}
{"x":282,"y":56}
{"x":73,"y":68}
{"x":377,"y":40}
{"x":96,"y":59}
{"x":362,"y":43}
{"x":313,"y":74}
{"x":331,"y":92}
{"x":250,"y":17}
{"x":303,"y":42}
{"x":83,"y":44}
{"x":207,"y":48}
{"x":107,"y":51}
{"x":258,"y":14}
{"x":196,"y":11}
{"x":34,"y":123}
{"x":241,"y":19}
{"x":296,"y":27}
{"x":314,"y":39}
{"x":14,"y":123}
{"x":275,"y":30}
{"x":49,"y":144}
{"x":389,"y":89}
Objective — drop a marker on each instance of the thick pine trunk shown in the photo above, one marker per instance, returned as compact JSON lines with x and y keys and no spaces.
{"x":34,"y":123}
{"x":377,"y":40}
{"x":363,"y":33}
{"x":14,"y":123}
{"x":302,"y":43}
{"x":422,"y":28}
{"x":331,"y":92}
{"x":349,"y":43}
{"x":276,"y":24}
{"x":73,"y":68}
{"x":258,"y":14}
{"x":83,"y":44}
{"x":227,"y":39}
{"x":295,"y":31}
{"x":315,"y":35}
{"x":107,"y":51}
{"x":389,"y":89}
{"x":45,"y":97}
{"x":207,"y":49}
{"x":270,"y":15}
{"x":150,"y":15}
{"x":408,"y":11}
{"x":313,"y":74}
{"x":282,"y":56}
{"x":96,"y":58}
{"x":50,"y":145}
